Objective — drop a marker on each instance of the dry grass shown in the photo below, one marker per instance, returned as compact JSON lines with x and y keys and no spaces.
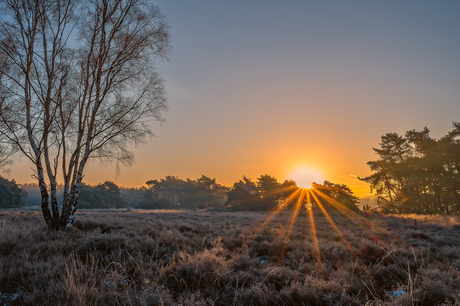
{"x":224,"y":258}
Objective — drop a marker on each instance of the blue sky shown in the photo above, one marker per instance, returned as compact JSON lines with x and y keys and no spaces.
{"x":261,"y":87}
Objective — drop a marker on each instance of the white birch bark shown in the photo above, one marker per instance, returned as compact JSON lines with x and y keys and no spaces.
{"x":78,"y":103}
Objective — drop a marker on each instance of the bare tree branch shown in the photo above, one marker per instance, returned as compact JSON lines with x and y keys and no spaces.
{"x":66,"y":102}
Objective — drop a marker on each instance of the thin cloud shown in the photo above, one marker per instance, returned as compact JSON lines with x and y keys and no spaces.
{"x":340,"y":168}
{"x":353,"y":179}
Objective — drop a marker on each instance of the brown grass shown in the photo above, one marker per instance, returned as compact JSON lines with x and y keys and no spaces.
{"x":225,"y":258}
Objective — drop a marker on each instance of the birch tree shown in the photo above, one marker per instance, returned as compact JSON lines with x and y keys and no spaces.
{"x":78,"y":82}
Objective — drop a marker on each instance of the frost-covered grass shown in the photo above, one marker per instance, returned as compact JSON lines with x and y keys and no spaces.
{"x":124,"y":257}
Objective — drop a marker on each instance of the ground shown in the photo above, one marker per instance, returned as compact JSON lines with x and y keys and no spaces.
{"x":122,"y":257}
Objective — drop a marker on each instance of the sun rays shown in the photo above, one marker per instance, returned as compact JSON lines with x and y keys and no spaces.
{"x":295,"y":213}
{"x":310,"y":200}
{"x":339,"y":217}
{"x":304,"y":177}
{"x":314,"y":193}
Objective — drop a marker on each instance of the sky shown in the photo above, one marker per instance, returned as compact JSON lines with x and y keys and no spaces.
{"x":280,"y":87}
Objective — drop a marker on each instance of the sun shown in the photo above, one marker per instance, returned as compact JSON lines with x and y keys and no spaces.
{"x":304,"y":177}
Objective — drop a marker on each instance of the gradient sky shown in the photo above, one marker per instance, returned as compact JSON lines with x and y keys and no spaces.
{"x":261,"y":86}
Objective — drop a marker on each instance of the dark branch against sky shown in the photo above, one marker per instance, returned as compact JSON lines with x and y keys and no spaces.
{"x":261,"y":87}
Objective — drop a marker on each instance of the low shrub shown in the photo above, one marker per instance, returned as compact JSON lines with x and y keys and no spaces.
{"x":223,"y":258}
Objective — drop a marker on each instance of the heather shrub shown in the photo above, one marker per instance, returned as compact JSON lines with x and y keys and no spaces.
{"x":211,"y":258}
{"x":102,"y":245}
{"x":155,"y":296}
{"x":200,"y":271}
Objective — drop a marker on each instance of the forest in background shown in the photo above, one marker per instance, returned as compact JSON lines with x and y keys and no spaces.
{"x":264,"y":194}
{"x":414,"y":173}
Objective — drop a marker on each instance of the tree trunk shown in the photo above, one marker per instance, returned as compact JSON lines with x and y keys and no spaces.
{"x":53,"y":224}
{"x":69,"y":207}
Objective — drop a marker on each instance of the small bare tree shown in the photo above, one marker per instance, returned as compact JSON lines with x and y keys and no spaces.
{"x":78,"y":82}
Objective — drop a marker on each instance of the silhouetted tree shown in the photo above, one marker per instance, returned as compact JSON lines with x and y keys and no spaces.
{"x":172,"y":192}
{"x":65,"y":102}
{"x":132,"y":195}
{"x":110,"y":193}
{"x":244,"y":195}
{"x":417,"y":174}
{"x":389,"y":168}
{"x":273,"y":193}
{"x":105,"y":195}
{"x":204,"y":193}
{"x":339,"y":193}
{"x":263,"y":195}
{"x":11,"y":194}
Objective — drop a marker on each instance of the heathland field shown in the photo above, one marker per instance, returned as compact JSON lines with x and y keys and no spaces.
{"x":225,"y":258}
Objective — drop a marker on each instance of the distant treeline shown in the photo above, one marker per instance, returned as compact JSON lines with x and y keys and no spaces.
{"x":104,"y":195}
{"x":416,"y":173}
{"x":11,"y":194}
{"x":267,"y":193}
{"x":203,"y":193}
{"x":172,"y":192}
{"x":264,"y":194}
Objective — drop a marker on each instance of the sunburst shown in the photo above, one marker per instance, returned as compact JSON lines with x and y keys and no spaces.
{"x":304,"y":198}
{"x":308,"y":198}
{"x":304,"y":177}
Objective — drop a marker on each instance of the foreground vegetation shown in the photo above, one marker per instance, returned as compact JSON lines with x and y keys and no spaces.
{"x":229,"y":258}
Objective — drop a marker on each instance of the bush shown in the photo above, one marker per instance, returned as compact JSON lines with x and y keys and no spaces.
{"x":178,"y":258}
{"x":11,"y":195}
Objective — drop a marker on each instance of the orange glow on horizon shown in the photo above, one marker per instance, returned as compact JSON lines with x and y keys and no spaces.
{"x":282,"y":165}
{"x":304,"y":177}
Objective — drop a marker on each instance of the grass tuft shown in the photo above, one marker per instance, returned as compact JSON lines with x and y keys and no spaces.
{"x":224,"y":258}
